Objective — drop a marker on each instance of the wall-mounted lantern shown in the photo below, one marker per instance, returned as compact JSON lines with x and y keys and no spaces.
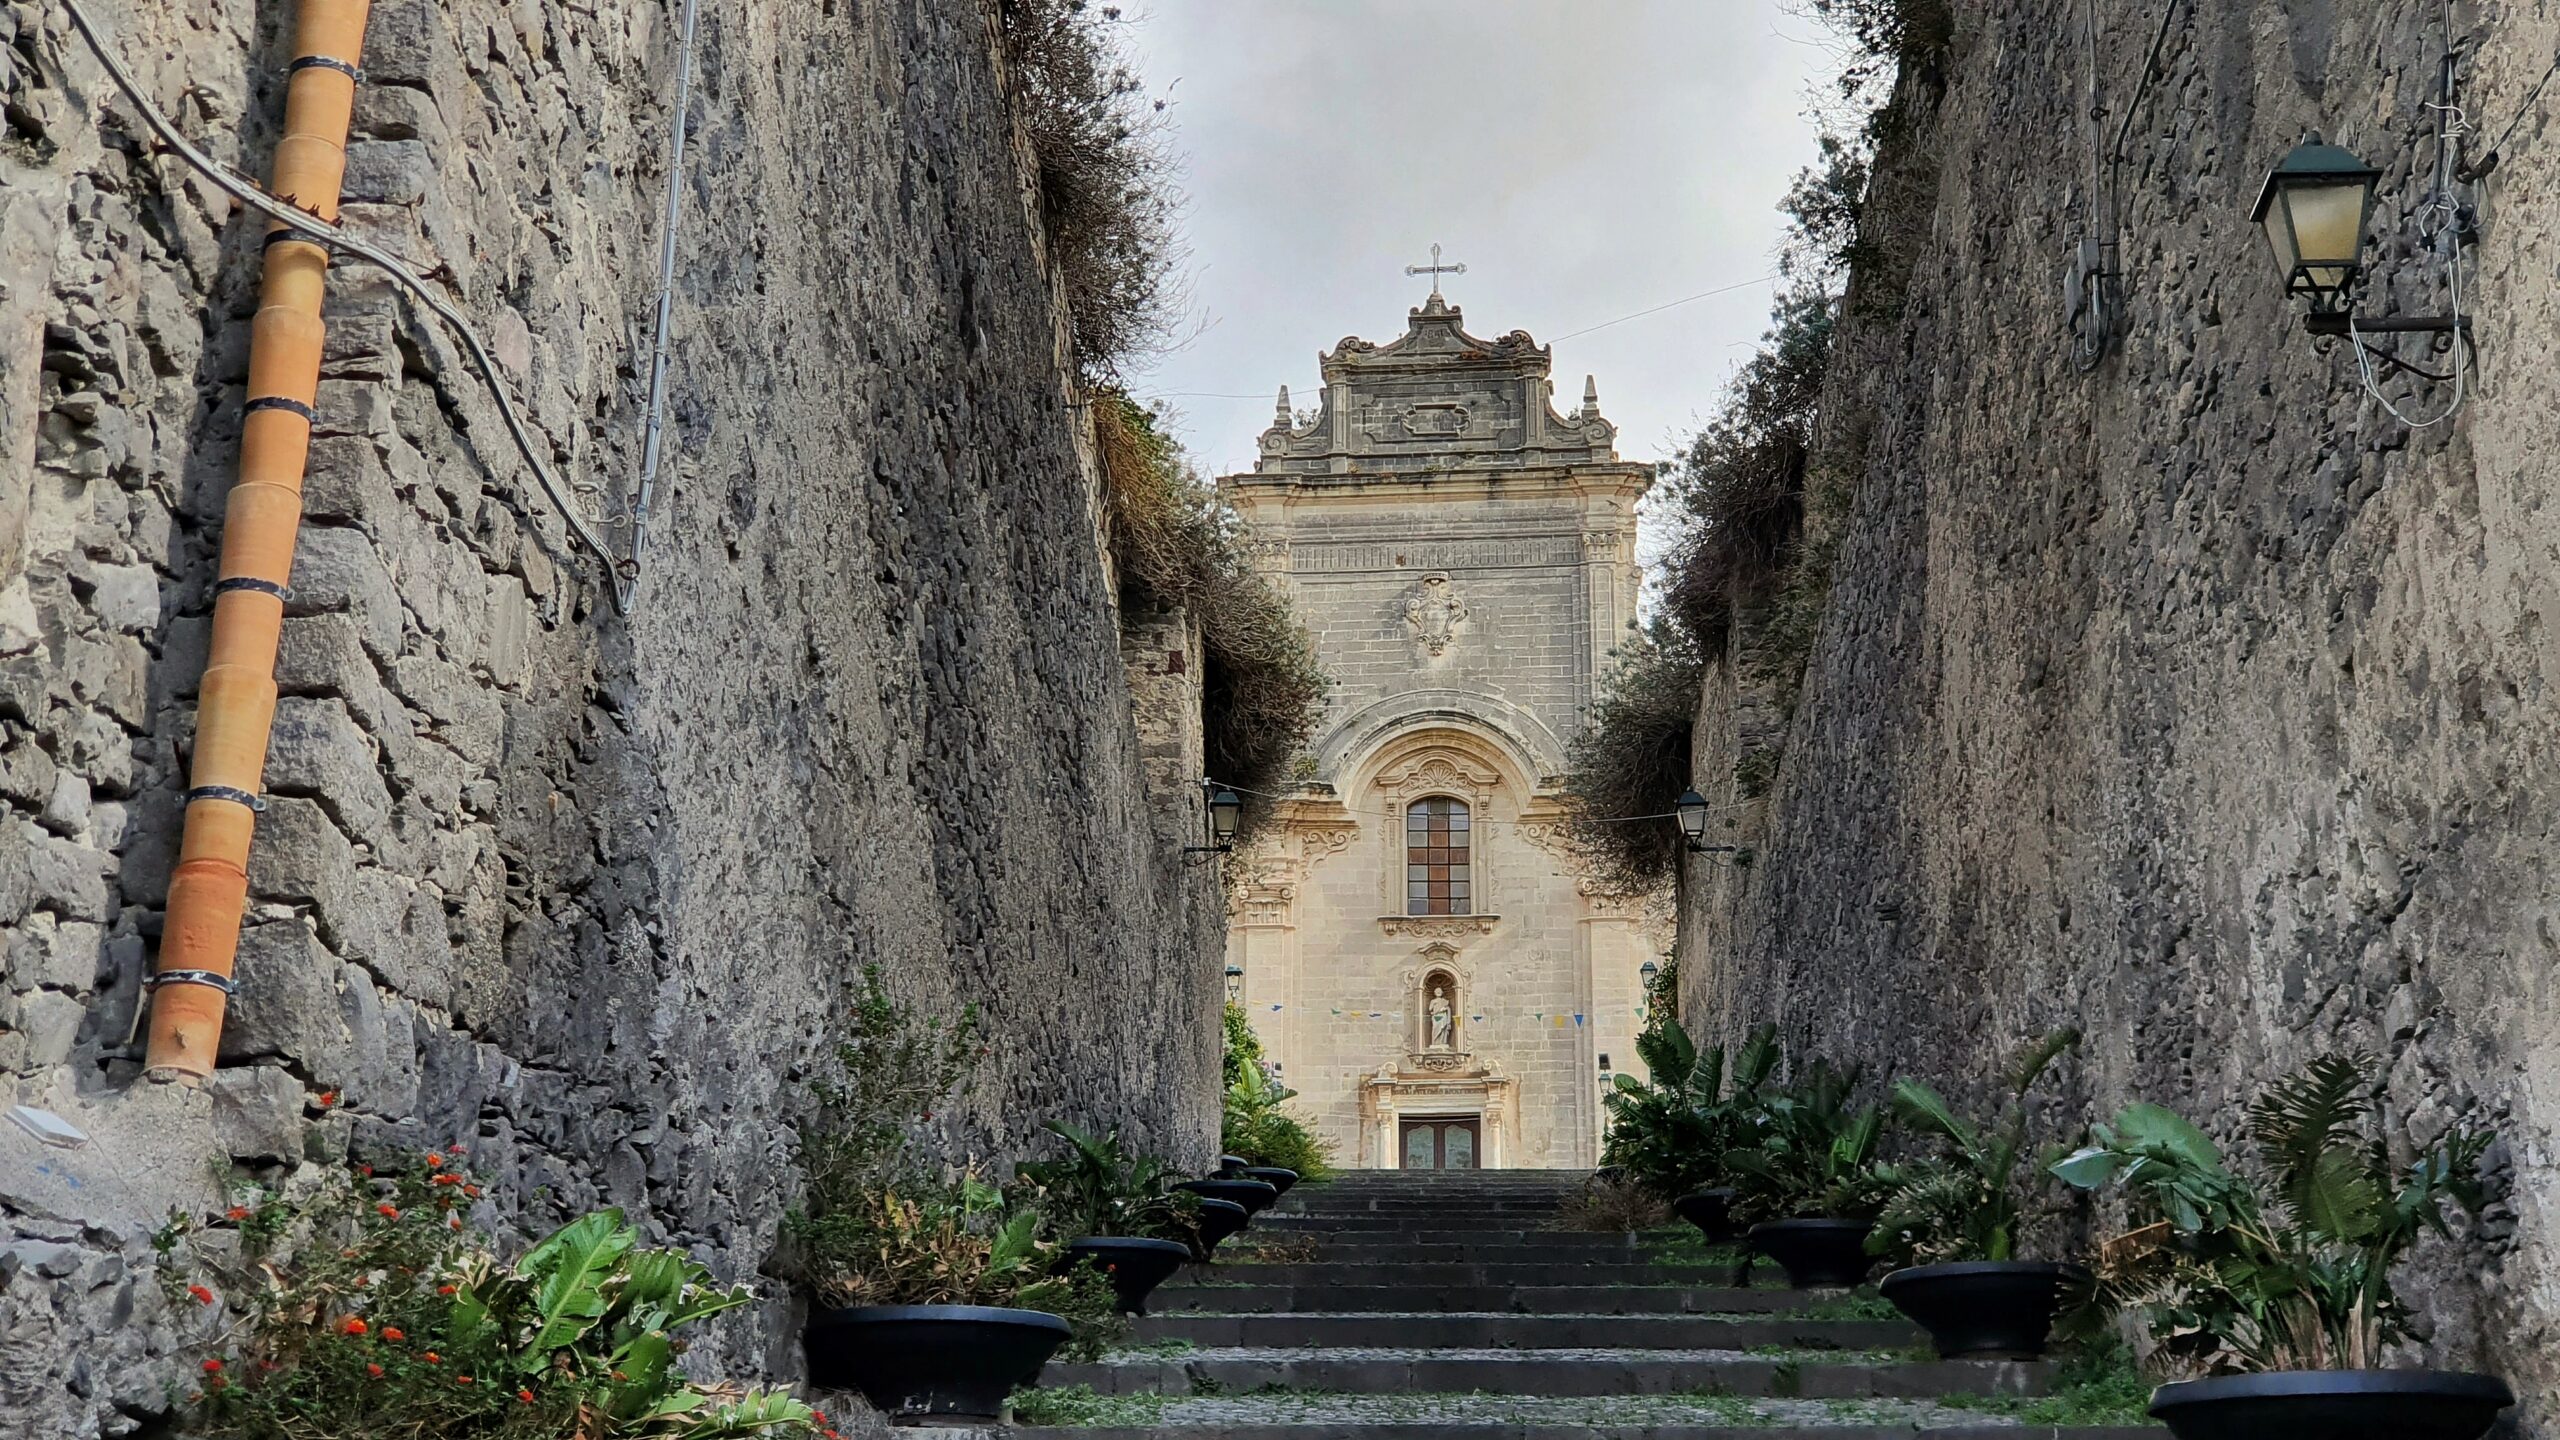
{"x":1651,"y":972}
{"x":1225,"y":808}
{"x":1691,"y":809}
{"x":1235,"y":983}
{"x":2315,"y":206}
{"x":1608,"y":1080}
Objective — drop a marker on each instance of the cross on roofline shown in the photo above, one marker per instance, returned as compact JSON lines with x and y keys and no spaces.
{"x":1435,"y":270}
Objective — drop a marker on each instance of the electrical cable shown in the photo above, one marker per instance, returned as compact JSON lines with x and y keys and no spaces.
{"x":654,"y":429}
{"x":248,"y":192}
{"x":1481,"y":820}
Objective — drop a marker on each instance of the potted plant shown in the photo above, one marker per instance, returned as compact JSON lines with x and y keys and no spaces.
{"x":1130,"y":1222}
{"x":1264,"y":1142}
{"x":1670,"y":1132}
{"x":1807,"y":1178}
{"x":934,"y":1302}
{"x":2277,"y":1297}
{"x":1953,"y":1225}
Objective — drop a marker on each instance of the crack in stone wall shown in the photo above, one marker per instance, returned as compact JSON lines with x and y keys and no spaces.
{"x":576,"y":891}
{"x":2195,"y":701}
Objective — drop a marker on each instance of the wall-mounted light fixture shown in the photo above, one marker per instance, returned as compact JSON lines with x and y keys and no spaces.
{"x":1691,"y":808}
{"x":1608,"y":1080}
{"x":1235,"y":982}
{"x":1224,"y":809}
{"x":1651,"y":972}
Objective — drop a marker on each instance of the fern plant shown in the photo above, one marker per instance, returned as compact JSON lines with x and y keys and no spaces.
{"x":1962,"y":1204}
{"x":1671,"y":1131}
{"x":1098,"y":1188}
{"x":1808,"y":1152}
{"x":2234,"y":1276}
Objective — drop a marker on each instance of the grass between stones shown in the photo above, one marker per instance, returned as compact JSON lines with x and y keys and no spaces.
{"x":2094,"y":1385}
{"x":1076,"y":1406}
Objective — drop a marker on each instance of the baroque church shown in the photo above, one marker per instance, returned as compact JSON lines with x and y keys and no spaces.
{"x":1419,"y":953}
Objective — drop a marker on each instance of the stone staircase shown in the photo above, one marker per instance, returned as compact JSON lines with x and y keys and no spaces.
{"x":1402,"y":1306}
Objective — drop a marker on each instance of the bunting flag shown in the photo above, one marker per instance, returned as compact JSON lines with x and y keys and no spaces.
{"x":1577,"y":1019}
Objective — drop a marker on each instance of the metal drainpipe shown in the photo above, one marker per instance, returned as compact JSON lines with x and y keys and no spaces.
{"x":237,"y":702}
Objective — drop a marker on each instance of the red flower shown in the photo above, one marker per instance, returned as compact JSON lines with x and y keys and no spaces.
{"x":392,"y":1334}
{"x":446,"y":1178}
{"x":461,"y":1379}
{"x":203,"y":1296}
{"x":453,"y":1222}
{"x":373,"y":1370}
{"x":433,"y":1358}
{"x":365,"y":1170}
{"x":618,"y":1375}
{"x":444,"y":1289}
{"x":387,"y":1209}
{"x":455,"y":1149}
{"x":434,"y":1161}
{"x":471,"y":1190}
{"x":213,"y":1367}
{"x":525,"y":1395}
{"x":352,"y":1325}
{"x":328,"y":1098}
{"x":236,"y":1212}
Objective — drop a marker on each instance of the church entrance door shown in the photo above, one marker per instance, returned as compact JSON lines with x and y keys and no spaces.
{"x":1441,"y":1144}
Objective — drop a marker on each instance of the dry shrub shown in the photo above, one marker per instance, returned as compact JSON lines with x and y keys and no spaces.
{"x":1632,"y":761}
{"x":1178,"y":544}
{"x":1106,"y":175}
{"x":1615,"y":1205}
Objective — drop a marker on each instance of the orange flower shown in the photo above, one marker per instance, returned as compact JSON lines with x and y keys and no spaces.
{"x":213,"y":1367}
{"x":373,"y":1370}
{"x":387,"y":1209}
{"x":203,"y":1296}
{"x":236,"y":1212}
{"x":446,"y":1178}
{"x":433,"y":1358}
{"x":461,"y":1379}
{"x":618,"y":1375}
{"x":453,"y":1222}
{"x":434,"y":1161}
{"x":352,"y":1325}
{"x":471,"y":1190}
{"x":393,"y":1334}
{"x":444,"y":1289}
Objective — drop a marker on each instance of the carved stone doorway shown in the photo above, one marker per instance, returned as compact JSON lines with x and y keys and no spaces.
{"x":1443,"y":1143}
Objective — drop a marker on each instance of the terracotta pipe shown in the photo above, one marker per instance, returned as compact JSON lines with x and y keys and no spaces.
{"x":236,"y":704}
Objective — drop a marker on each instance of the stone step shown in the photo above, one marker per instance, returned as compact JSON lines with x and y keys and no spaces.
{"x":1446,"y":1252}
{"x":1506,"y":1417}
{"x":1511,"y":1330}
{"x":1580,"y":1372}
{"x":1229,"y":1297}
{"x":1460,"y":1273}
{"x":1426,"y":1205}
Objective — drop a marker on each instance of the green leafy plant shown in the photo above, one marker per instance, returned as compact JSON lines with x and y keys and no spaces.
{"x":1962,"y":1204}
{"x":1809,"y":1153}
{"x":367,"y":1310}
{"x":2232,"y":1276}
{"x":1254,"y":1126}
{"x":877,"y":1227}
{"x":1673,"y":1130}
{"x":1098,"y":1188}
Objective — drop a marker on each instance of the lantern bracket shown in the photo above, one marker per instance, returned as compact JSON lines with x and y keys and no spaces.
{"x":2445,"y":330}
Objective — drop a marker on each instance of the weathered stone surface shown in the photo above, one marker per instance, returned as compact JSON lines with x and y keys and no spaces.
{"x":2195,"y":701}
{"x":590,"y":878}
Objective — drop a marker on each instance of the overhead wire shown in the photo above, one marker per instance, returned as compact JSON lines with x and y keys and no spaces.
{"x":1398,"y":815}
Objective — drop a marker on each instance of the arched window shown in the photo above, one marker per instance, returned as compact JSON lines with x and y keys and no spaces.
{"x":1436,"y":871}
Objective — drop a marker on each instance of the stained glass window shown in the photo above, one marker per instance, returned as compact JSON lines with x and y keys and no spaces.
{"x":1437,"y":876}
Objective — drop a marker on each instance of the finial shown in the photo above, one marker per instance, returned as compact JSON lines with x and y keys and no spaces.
{"x":1280,"y":414}
{"x":1590,"y":396}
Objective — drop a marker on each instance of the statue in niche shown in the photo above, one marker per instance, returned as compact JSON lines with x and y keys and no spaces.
{"x":1443,"y":1031}
{"x":1434,"y":613}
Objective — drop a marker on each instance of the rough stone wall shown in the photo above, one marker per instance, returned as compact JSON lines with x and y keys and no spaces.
{"x":574,"y":888}
{"x":2196,"y":701}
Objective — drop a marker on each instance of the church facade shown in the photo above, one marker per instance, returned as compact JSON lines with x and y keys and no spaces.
{"x":1419,"y":954}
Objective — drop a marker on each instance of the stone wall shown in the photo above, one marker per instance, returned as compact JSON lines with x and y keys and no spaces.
{"x":573,"y":887}
{"x":2195,"y":700}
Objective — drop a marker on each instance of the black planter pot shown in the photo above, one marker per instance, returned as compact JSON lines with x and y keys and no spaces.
{"x":1136,"y":1267}
{"x":2334,"y":1405}
{"x":1218,"y":1220}
{"x":1711,"y":1211}
{"x":1278,"y":1177}
{"x":1254,"y":1195}
{"x":1817,"y":1253}
{"x":1983,"y":1310}
{"x":1231,"y":1166}
{"x":921,"y":1364}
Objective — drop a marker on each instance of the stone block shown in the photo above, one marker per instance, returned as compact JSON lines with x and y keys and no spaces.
{"x":346,"y":483}
{"x":287,"y":1003}
{"x":66,"y":810}
{"x":70,"y":879}
{"x":26,"y":773}
{"x":336,"y":569}
{"x":47,"y":1025}
{"x":125,"y":598}
{"x":318,"y":750}
{"x":61,"y":954}
{"x":257,"y":1113}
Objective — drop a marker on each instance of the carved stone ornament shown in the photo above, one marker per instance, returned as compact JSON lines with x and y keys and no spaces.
{"x":1441,"y":1061}
{"x":1437,"y":927}
{"x":1434,"y":612}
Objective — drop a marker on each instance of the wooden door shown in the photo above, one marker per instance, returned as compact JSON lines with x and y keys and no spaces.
{"x":1442,"y":1144}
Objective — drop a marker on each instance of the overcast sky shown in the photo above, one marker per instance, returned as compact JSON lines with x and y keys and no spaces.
{"x":1585,"y":159}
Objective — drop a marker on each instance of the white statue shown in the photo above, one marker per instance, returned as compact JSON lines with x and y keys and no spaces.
{"x":1443,"y":1023}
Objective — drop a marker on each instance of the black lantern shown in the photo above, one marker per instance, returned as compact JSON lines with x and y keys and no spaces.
{"x":1650,"y":972}
{"x":2315,"y":207}
{"x":1692,"y":810}
{"x":1235,"y":982}
{"x":1225,"y":808}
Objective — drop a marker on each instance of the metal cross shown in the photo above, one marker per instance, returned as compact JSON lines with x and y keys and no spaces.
{"x":1435,"y":270}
